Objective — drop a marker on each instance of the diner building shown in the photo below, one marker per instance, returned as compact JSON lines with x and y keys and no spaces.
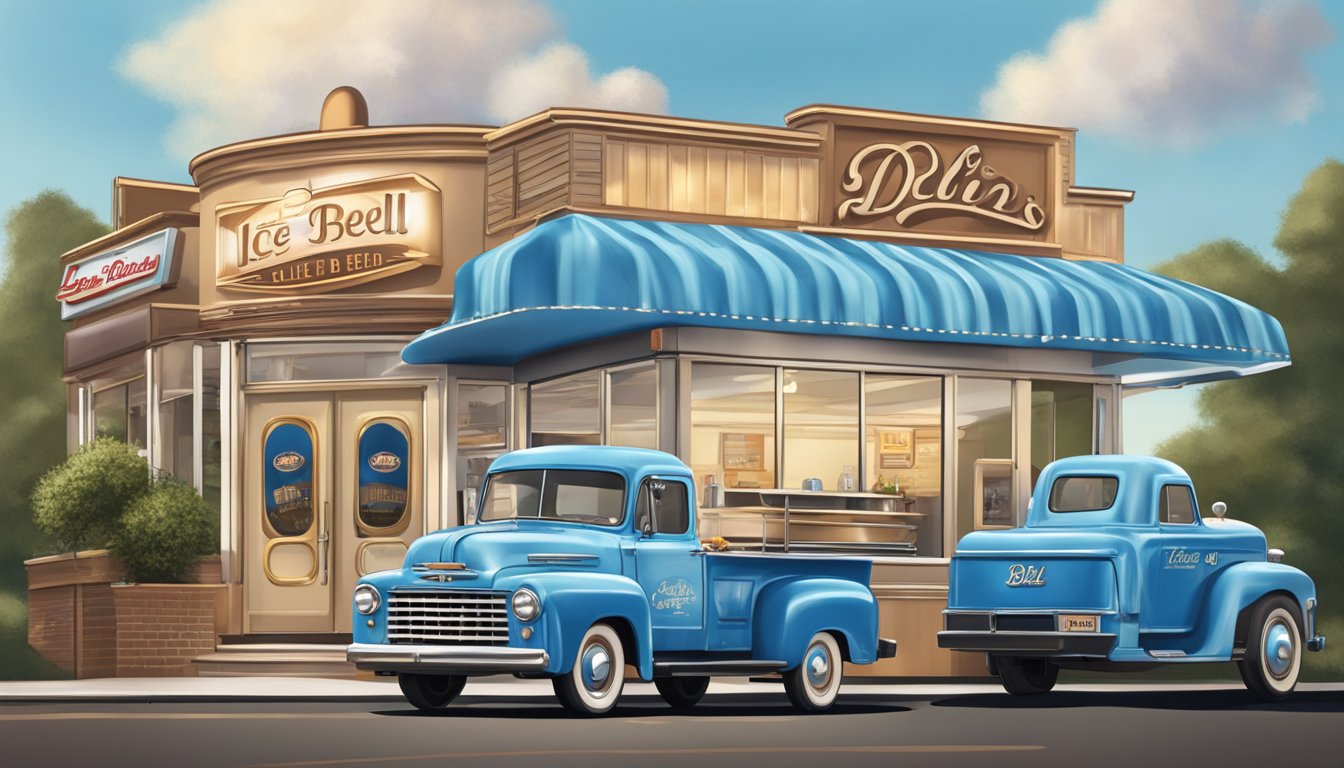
{"x":865,"y":331}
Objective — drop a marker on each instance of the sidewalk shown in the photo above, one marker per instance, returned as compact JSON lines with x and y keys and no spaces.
{"x":305,"y":688}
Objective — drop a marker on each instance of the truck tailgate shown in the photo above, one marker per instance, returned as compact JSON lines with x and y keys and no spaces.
{"x":1003,"y":582}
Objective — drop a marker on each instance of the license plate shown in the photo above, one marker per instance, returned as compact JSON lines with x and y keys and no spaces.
{"x":1068,"y":623}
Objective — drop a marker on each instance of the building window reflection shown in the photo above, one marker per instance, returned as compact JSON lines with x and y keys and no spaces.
{"x":567,"y":411}
{"x":733,"y":425}
{"x":903,"y":450}
{"x":633,"y":406}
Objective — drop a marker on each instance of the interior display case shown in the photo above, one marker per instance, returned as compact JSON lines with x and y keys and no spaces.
{"x":783,"y":520}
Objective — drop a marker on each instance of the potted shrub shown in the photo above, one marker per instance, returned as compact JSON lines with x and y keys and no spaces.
{"x":157,"y":531}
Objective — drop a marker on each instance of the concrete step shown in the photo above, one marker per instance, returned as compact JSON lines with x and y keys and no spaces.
{"x":277,"y":660}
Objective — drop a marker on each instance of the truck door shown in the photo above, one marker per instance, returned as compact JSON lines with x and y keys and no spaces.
{"x":1182,"y":563}
{"x":668,"y":564}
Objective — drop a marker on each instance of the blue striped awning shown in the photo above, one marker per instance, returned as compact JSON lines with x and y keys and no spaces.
{"x":577,"y":278}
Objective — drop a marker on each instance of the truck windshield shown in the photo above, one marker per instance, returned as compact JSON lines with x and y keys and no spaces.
{"x":573,"y":495}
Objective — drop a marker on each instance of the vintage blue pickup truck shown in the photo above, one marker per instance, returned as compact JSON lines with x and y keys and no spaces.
{"x":586,"y":559}
{"x":1117,"y":569}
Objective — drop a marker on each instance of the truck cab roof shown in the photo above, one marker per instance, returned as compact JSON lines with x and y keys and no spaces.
{"x":1130,"y":500}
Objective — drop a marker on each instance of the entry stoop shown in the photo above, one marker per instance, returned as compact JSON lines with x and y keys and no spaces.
{"x":258,"y":656}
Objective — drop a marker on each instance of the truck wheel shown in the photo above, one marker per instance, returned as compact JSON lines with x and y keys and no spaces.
{"x":813,"y":684}
{"x":594,"y":684}
{"x":431,"y":693}
{"x":1026,"y":677}
{"x":682,"y":692}
{"x":1273,"y":649}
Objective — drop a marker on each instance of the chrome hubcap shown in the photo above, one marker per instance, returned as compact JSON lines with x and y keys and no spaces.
{"x":596,"y":668}
{"x":1278,"y":650}
{"x":818,"y":667}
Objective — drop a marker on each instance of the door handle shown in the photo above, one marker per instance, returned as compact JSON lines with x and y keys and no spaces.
{"x":324,"y":539}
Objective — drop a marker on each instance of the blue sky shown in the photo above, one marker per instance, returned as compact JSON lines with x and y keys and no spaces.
{"x":1235,"y":101}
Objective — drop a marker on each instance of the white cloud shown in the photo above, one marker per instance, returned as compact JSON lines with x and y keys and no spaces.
{"x":1170,"y":71}
{"x":239,"y":69}
{"x":559,"y":76}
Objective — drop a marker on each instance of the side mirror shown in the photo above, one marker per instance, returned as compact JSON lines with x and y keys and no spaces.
{"x":1219,"y":509}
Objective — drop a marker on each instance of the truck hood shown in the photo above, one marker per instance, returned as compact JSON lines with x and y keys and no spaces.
{"x":492,"y":548}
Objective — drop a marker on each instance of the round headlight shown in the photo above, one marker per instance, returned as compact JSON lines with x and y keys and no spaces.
{"x":526,"y":605}
{"x":366,"y":599}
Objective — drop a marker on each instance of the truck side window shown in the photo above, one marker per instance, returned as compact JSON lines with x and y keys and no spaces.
{"x":1176,"y":505}
{"x":667,"y":499}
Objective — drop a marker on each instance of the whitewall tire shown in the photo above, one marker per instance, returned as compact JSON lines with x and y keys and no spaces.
{"x":1273,"y":657}
{"x":813,"y":684}
{"x":594,"y":685}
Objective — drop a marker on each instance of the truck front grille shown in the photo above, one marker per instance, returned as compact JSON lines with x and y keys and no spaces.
{"x":448,"y":617}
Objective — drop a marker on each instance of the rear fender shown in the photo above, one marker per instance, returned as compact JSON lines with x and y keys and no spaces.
{"x":789,"y":613}
{"x":1238,"y":587}
{"x":571,"y":603}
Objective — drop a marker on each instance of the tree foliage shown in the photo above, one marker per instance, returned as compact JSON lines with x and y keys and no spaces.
{"x":33,"y":397}
{"x":1272,"y":446}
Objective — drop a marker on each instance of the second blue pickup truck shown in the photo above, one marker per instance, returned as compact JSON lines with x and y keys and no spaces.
{"x":585,"y":560}
{"x":1116,"y":569}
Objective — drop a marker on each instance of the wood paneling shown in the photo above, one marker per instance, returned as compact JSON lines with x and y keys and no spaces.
{"x":711,"y":181}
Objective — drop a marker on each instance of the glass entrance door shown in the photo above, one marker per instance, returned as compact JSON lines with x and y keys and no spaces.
{"x":333,"y":489}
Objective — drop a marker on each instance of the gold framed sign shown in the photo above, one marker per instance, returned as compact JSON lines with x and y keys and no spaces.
{"x":742,"y":450}
{"x":327,"y":238}
{"x":895,"y":448}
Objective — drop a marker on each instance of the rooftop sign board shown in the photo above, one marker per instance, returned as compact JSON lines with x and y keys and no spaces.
{"x":112,"y":276}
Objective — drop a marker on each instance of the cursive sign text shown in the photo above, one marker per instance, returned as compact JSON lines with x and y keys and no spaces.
{"x":910,"y":179}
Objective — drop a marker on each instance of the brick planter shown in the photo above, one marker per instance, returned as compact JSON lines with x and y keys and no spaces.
{"x":81,"y":619}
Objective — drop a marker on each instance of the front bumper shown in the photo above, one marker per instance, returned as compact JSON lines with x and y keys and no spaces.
{"x":446,"y":659}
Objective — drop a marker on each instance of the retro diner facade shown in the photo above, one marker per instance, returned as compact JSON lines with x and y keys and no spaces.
{"x":907,"y":315}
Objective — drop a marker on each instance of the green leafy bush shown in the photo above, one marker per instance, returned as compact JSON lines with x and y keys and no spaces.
{"x":80,"y":502}
{"x":165,"y":532}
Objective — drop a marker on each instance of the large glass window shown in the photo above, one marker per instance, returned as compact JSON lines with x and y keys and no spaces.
{"x":1061,"y":422}
{"x":121,"y":404}
{"x":315,"y":362}
{"x":733,"y":425}
{"x":633,"y":393}
{"x":568,"y":411}
{"x":821,"y":429}
{"x":212,"y":445}
{"x":482,"y":435}
{"x":176,"y":423}
{"x":984,"y":425}
{"x":903,"y":450}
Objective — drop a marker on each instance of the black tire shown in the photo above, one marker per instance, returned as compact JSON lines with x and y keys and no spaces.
{"x":682,"y":692}
{"x":594,"y":684}
{"x":1273,"y":657}
{"x":813,"y":685}
{"x":431,"y":693}
{"x":1026,"y":677}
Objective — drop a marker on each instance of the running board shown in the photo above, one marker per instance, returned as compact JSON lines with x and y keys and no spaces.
{"x":731,"y":667}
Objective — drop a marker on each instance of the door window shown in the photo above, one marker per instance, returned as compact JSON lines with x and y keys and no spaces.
{"x":1176,"y":506}
{"x":663,"y":507}
{"x":289,"y":491}
{"x":384,"y":477}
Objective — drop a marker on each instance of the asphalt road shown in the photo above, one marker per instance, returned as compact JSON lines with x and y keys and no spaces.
{"x":1148,"y":728}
